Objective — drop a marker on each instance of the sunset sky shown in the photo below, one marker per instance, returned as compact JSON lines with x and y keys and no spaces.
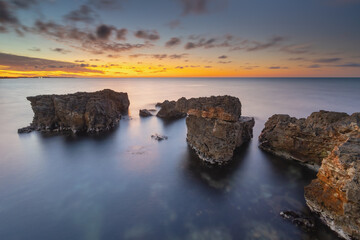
{"x":180,"y":38}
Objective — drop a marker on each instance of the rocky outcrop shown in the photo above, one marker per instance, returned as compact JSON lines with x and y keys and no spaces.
{"x":307,"y":140}
{"x":144,"y":113}
{"x":215,"y":127}
{"x":335,"y":194}
{"x":332,"y":140}
{"x":80,"y":111}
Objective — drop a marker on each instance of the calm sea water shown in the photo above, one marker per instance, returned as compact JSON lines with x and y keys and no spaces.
{"x":124,"y":185}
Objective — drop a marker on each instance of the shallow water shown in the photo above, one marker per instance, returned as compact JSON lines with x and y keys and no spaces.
{"x":124,"y":185}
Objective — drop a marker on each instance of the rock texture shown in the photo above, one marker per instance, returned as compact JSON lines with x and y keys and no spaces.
{"x":307,"y":140}
{"x":335,"y":194}
{"x":80,"y":111}
{"x":215,"y":127}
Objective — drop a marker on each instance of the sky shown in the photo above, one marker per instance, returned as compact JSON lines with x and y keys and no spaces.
{"x":180,"y":38}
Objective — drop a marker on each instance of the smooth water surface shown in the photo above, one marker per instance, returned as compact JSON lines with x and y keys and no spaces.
{"x":124,"y":185}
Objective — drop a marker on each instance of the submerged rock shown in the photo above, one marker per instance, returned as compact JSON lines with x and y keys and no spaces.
{"x":80,"y":111}
{"x":215,"y":127}
{"x":159,"y":137}
{"x":307,"y":140}
{"x":145,"y":113}
{"x":299,"y":219}
{"x":335,"y":194}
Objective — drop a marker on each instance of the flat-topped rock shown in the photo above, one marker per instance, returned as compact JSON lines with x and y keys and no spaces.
{"x":80,"y":111}
{"x":307,"y":140}
{"x":226,"y":108}
{"x":335,"y":194}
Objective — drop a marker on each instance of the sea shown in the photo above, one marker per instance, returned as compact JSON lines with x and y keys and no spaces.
{"x":122,"y":184}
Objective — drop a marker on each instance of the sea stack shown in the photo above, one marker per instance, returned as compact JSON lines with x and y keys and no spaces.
{"x":215,"y":127}
{"x":81,"y":111}
{"x":332,"y":140}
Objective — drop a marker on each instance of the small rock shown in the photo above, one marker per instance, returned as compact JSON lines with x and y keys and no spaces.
{"x":299,"y":219}
{"x":145,"y":113}
{"x":158,"y":137}
{"x":28,"y":129}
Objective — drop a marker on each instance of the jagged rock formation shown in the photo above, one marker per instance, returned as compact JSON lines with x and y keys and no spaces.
{"x":335,"y":194}
{"x":306,"y":140}
{"x":80,"y":111}
{"x":215,"y":126}
{"x":332,"y":140}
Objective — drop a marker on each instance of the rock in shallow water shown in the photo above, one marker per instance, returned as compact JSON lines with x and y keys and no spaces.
{"x":80,"y":111}
{"x":299,"y":219}
{"x":145,"y":113}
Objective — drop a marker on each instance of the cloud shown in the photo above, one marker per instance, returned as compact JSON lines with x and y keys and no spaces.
{"x":106,"y":4}
{"x":224,"y":62}
{"x":6,"y":16}
{"x":173,"y":42}
{"x":34,"y":49}
{"x":223,"y":57}
{"x":178,"y":56}
{"x":351,"y":65}
{"x":96,"y":42}
{"x":24,"y":4}
{"x":159,"y":56}
{"x":147,"y":35}
{"x":277,"y":67}
{"x":103,"y":31}
{"x":327,"y":60}
{"x":83,"y":14}
{"x":314,"y":66}
{"x":121,"y":34}
{"x":296,"y":48}
{"x":264,"y":45}
{"x":203,"y":42}
{"x":94,"y":60}
{"x":296,"y":59}
{"x":21,"y":63}
{"x":199,"y":6}
{"x":60,"y":50}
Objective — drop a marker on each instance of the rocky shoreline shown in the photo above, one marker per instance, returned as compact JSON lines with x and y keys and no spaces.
{"x":330,"y":140}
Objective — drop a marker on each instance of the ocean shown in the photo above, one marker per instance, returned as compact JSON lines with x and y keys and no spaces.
{"x":124,"y":185}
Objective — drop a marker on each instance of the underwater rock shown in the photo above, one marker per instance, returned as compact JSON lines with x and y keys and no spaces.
{"x":299,"y":219}
{"x":158,"y":137}
{"x":307,"y":140}
{"x":80,"y":111}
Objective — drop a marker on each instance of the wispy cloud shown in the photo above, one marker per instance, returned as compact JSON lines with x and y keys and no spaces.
{"x":83,"y":14}
{"x":173,"y":42}
{"x":264,"y":45}
{"x":21,"y":63}
{"x":350,"y":65}
{"x":147,"y":35}
{"x":60,"y":50}
{"x":327,"y":60}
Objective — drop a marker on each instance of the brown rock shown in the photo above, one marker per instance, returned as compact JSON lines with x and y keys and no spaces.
{"x":145,"y":113}
{"x":169,"y":111}
{"x":79,"y":111}
{"x":335,"y":194}
{"x":306,"y":140}
{"x":215,"y":140}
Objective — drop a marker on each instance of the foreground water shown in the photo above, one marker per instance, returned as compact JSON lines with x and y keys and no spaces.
{"x":124,"y":185}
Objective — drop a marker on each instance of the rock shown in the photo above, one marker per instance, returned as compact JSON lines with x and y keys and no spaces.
{"x":145,"y":113}
{"x":215,"y":126}
{"x":80,"y":111}
{"x":28,"y":129}
{"x":305,"y":222}
{"x":158,"y":137}
{"x":307,"y":140}
{"x":335,"y":194}
{"x":169,"y":111}
{"x":215,"y":140}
